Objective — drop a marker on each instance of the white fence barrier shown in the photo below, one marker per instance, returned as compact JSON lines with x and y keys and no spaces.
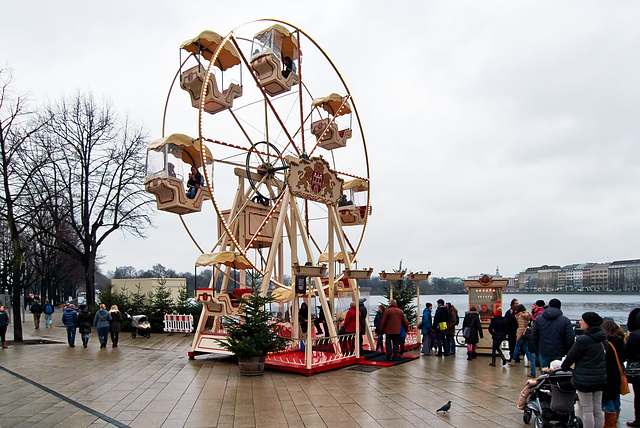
{"x":178,"y":323}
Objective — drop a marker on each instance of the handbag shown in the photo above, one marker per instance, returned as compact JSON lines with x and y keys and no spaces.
{"x":632,"y":372}
{"x":624,"y":383}
{"x":467,"y":333}
{"x":442,"y":325}
{"x":403,"y":332}
{"x":420,"y":325}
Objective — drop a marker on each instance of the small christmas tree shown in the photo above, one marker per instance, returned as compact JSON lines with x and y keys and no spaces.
{"x":252,"y":334}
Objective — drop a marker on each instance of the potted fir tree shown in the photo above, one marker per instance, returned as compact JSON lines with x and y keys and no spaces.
{"x":251,"y":335}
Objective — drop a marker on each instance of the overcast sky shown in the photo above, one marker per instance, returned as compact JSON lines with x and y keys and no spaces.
{"x":499,"y":133}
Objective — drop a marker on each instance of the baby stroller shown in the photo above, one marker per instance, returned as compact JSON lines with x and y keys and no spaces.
{"x":551,"y":402}
{"x":140,"y":326}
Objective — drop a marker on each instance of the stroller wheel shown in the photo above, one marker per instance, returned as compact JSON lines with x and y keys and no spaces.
{"x":538,"y":422}
{"x":576,"y":422}
{"x":148,"y":335}
{"x":133,"y":334}
{"x":526,"y":416}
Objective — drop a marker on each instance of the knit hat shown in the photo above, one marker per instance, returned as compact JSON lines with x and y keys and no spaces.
{"x":555,"y":303}
{"x":592,"y":319}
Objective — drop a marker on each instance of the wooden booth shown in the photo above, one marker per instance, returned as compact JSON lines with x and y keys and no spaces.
{"x":486,"y":295}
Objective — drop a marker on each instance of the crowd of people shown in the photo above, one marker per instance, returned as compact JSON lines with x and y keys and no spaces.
{"x":103,"y":321}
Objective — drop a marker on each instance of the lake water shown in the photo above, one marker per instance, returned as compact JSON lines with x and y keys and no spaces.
{"x":574,"y":305}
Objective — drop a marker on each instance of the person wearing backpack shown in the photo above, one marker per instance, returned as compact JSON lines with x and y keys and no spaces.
{"x":48,"y":314}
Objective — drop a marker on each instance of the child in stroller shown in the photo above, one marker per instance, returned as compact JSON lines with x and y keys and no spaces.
{"x":550,"y":399}
{"x":140,"y":326}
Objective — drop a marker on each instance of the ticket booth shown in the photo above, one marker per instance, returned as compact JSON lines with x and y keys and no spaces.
{"x":486,"y":295}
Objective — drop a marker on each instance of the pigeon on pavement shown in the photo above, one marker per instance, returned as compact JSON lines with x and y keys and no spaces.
{"x":444,"y":408}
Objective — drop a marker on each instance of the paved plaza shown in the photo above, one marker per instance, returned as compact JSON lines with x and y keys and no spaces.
{"x":152,"y":383}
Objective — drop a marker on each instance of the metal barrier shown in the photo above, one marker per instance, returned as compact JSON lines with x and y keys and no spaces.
{"x":178,"y":323}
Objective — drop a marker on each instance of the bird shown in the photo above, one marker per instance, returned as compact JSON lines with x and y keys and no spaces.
{"x":444,"y":408}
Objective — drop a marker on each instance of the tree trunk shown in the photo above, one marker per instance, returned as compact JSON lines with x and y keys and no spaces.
{"x":16,"y":291}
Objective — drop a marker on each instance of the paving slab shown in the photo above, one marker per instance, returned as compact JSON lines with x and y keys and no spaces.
{"x":152,"y":383}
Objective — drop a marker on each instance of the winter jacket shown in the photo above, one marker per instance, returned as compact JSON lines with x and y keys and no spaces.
{"x":612,"y":390}
{"x":588,"y":354}
{"x":452,"y":322}
{"x":535,"y":314}
{"x":116,"y":321}
{"x":350,"y":321}
{"x":523,"y":319}
{"x":4,"y":319}
{"x":552,"y":333}
{"x":377,"y":321}
{"x":427,"y":325}
{"x":472,"y":322}
{"x":498,"y":327}
{"x":36,"y":308}
{"x":442,"y":315}
{"x":101,"y":319}
{"x":632,"y":349}
{"x":392,"y":319}
{"x":511,"y":319}
{"x":70,"y":317}
{"x":84,"y":322}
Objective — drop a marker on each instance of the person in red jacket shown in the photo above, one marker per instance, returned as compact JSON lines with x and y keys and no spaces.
{"x":392,"y":321}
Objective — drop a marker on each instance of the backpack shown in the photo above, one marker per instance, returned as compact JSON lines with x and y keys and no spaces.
{"x":48,"y":309}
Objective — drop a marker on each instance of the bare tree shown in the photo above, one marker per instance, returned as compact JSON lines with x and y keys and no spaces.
{"x":16,"y":129}
{"x":95,"y":178}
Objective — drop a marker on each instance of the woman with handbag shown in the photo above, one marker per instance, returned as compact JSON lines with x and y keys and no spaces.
{"x":611,"y":394}
{"x":588,"y":353}
{"x":632,"y":356}
{"x":472,"y":328}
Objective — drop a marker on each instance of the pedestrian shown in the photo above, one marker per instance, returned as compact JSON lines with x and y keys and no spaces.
{"x":552,"y":334}
{"x":615,"y":355}
{"x":48,"y":313}
{"x":452,"y":325}
{"x":115,"y":325}
{"x":350,"y":324}
{"x":440,"y":321}
{"x":4,"y":323}
{"x":101,"y":323}
{"x":303,"y":317}
{"x":512,"y":330}
{"x":36,"y":310}
{"x":377,"y":321}
{"x":70,"y":320}
{"x":588,"y":353}
{"x":393,"y":320}
{"x":498,"y":332}
{"x":632,"y":355}
{"x":472,"y":329}
{"x":320,"y":321}
{"x":84,"y":324}
{"x":427,"y":328}
{"x":537,"y":309}
{"x":363,"y":321}
{"x":522,"y":318}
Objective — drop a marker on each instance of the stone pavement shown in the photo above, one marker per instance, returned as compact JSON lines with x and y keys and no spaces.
{"x":152,"y":383}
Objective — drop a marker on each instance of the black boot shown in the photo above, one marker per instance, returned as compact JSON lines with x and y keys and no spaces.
{"x":85,"y":341}
{"x":469,"y":357}
{"x":493,"y":362}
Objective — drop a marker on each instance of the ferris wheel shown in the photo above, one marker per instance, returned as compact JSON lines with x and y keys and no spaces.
{"x":279,"y":152}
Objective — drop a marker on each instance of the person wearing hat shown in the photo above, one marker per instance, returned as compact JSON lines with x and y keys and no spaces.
{"x":590,"y":372}
{"x":552,"y":334}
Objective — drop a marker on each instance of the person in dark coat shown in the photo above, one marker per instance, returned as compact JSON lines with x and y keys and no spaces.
{"x":452,"y":325}
{"x":70,"y":320}
{"x":4,"y":323}
{"x":498,"y":331}
{"x":427,"y":328}
{"x":472,"y":327}
{"x":611,"y":394}
{"x":84,"y":324}
{"x":36,"y":310}
{"x":115,"y":325}
{"x":590,"y":372}
{"x":377,"y":321}
{"x":303,"y":317}
{"x":320,"y":321}
{"x":393,"y":320}
{"x":632,"y":355}
{"x":441,"y":316}
{"x":552,"y":334}
{"x":512,"y":330}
